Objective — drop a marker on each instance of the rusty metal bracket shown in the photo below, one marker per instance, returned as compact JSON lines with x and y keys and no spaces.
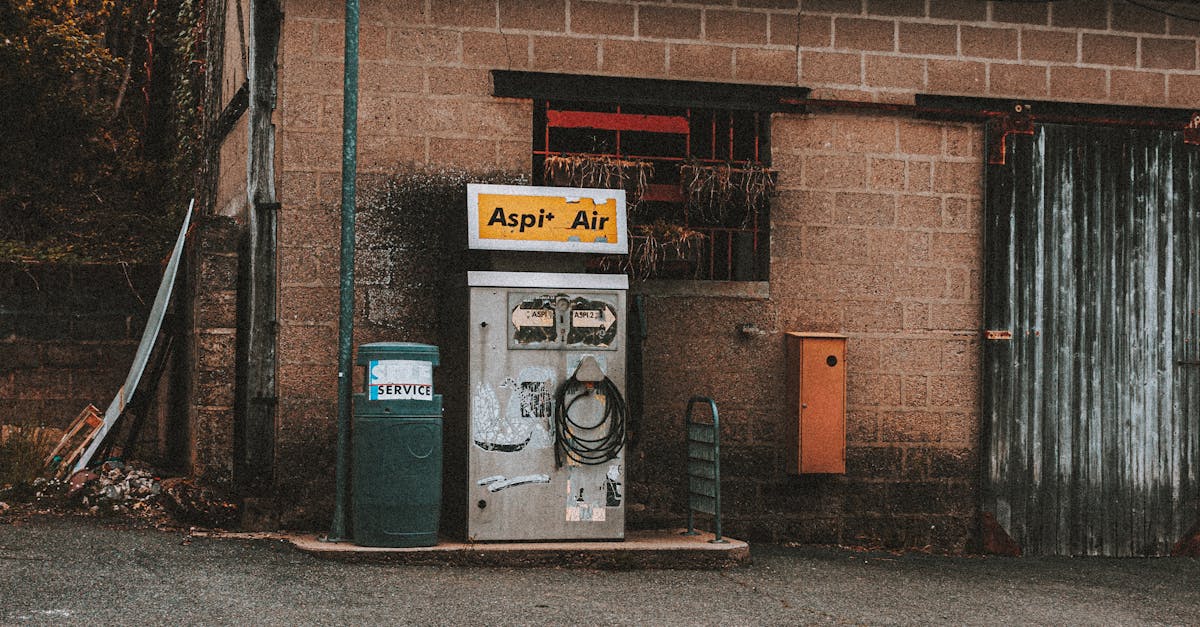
{"x":1189,"y":544}
{"x":996,"y":539}
{"x":232,"y":113}
{"x":1018,"y":122}
{"x":1191,"y":132}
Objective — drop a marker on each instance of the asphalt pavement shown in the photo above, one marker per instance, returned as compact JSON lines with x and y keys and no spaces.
{"x":73,"y":570}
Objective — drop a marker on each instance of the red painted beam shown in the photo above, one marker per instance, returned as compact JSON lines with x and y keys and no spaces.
{"x":663,"y":193}
{"x":674,"y":124}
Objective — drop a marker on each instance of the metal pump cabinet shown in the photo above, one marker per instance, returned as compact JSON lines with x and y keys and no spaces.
{"x":529,"y":333}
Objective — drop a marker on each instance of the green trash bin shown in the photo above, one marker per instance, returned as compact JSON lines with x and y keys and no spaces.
{"x":397,"y":479}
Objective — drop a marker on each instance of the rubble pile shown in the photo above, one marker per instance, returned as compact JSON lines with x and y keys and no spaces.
{"x":113,"y":489}
{"x":132,"y":491}
{"x":116,"y":486}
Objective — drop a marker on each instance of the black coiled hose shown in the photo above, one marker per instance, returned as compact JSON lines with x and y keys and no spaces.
{"x":588,"y":451}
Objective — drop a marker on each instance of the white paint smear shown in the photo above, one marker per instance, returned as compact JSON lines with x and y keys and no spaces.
{"x":585,"y":513}
{"x":515,"y":481}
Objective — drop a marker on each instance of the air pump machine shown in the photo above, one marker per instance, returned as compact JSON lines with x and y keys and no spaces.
{"x":544,"y":403}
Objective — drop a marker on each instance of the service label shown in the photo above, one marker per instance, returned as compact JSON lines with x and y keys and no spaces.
{"x":400,"y":379}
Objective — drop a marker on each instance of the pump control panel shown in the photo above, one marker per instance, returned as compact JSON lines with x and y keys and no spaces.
{"x":556,"y":320}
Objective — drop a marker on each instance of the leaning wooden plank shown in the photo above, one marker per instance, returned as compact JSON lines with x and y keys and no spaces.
{"x":76,"y":425}
{"x":92,"y":424}
{"x":89,"y":414}
{"x":149,"y":336}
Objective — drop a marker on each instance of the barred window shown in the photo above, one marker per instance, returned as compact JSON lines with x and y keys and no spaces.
{"x":698,"y":181}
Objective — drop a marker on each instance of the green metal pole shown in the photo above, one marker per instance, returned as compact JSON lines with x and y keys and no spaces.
{"x":338,"y":531}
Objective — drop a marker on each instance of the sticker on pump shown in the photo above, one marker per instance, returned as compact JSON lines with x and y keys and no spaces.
{"x":590,"y":318}
{"x":400,"y":379}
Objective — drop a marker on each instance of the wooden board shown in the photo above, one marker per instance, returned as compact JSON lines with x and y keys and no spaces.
{"x":78,"y":436}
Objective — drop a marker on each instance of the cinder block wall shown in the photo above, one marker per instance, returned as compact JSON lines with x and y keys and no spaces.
{"x":68,"y":334}
{"x":211,"y":272}
{"x":211,"y":268}
{"x":875,"y":232}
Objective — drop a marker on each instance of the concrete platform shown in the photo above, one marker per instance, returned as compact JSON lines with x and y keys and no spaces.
{"x":640,"y":550}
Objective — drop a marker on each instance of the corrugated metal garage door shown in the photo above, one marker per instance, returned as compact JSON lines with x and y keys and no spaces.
{"x":1092,"y":409}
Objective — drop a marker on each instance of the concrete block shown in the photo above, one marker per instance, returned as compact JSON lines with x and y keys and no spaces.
{"x":536,"y":15}
{"x":1011,"y":79}
{"x":565,"y":53}
{"x":766,"y":66}
{"x":216,"y":310}
{"x":915,"y":390}
{"x":98,"y":327}
{"x":699,"y":61}
{"x":1137,"y":19}
{"x":895,"y":72}
{"x":835,"y":172}
{"x":988,"y":42}
{"x":1037,"y":14}
{"x":660,"y":22}
{"x":620,"y":56}
{"x":487,"y":50}
{"x":852,"y":33}
{"x":950,"y":76}
{"x":19,"y":354}
{"x":928,"y":39}
{"x":831,"y":68}
{"x":469,"y":13}
{"x":1079,"y":14}
{"x":1183,"y":90}
{"x":602,"y":18}
{"x":736,"y":27}
{"x":810,"y":31}
{"x":1147,"y":88}
{"x":307,"y":344}
{"x":873,"y":462}
{"x":1049,"y":45}
{"x":214,"y":388}
{"x":1117,"y":50}
{"x":866,"y":389}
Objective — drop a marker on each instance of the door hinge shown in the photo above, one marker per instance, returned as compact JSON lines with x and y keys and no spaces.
{"x":1017,"y":122}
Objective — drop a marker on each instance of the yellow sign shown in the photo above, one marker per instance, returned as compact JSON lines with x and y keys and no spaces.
{"x":510,"y":217}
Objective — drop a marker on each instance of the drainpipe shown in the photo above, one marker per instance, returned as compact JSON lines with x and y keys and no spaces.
{"x":338,"y":531}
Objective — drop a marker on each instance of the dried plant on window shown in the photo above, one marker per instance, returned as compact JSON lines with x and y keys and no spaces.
{"x":709,"y":190}
{"x":602,"y":172}
{"x":652,"y":246}
{"x":726,"y":193}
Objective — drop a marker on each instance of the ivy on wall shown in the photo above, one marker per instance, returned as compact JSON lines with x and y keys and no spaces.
{"x":101,"y":123}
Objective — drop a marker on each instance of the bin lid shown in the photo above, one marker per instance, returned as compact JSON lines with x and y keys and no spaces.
{"x":397,"y":350}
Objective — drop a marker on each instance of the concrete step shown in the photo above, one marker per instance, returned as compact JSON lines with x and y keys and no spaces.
{"x":666,"y":548}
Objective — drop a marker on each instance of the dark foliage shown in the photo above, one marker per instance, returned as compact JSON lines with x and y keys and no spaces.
{"x":90,"y":127}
